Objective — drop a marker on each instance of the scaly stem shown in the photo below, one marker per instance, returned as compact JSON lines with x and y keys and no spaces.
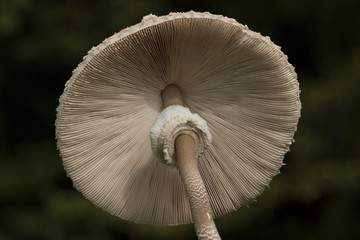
{"x":186,"y":156}
{"x":199,"y":200}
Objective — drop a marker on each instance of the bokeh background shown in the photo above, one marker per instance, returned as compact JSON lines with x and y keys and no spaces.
{"x":317,"y":194}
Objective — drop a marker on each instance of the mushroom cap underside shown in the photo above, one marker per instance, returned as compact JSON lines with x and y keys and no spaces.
{"x":237,"y":80}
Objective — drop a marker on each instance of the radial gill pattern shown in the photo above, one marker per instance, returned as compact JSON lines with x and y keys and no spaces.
{"x":237,"y":80}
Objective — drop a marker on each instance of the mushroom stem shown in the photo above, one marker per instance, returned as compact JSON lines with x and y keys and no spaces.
{"x":187,"y":162}
{"x":171,"y":95}
{"x":199,"y":200}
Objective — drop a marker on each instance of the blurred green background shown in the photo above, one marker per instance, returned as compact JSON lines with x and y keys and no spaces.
{"x":317,"y":194}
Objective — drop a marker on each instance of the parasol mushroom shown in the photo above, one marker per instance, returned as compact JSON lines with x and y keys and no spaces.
{"x":235,"y":89}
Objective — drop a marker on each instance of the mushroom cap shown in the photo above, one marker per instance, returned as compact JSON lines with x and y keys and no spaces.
{"x":237,"y":80}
